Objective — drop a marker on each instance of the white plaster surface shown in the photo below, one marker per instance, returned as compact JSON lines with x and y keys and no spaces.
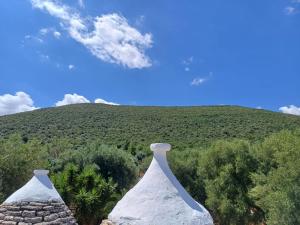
{"x":159,"y":199}
{"x":39,"y":188}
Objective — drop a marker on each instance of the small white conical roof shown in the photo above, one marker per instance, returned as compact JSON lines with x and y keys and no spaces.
{"x":38,"y":189}
{"x":158,"y":198}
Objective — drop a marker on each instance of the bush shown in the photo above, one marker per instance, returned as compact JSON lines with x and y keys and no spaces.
{"x":86,"y":192}
{"x":17,"y":162}
{"x":277,"y":181}
{"x":112,"y":163}
{"x":184,"y":165}
{"x":225,"y":169}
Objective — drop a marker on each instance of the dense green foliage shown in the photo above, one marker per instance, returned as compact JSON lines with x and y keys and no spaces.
{"x":17,"y":161}
{"x":135,"y":128}
{"x":277,"y":181}
{"x":238,"y":181}
{"x":110,"y":161}
{"x":92,"y":178}
{"x":225,"y":169}
{"x":86,"y":192}
{"x":243,"y":183}
{"x":231,"y":159}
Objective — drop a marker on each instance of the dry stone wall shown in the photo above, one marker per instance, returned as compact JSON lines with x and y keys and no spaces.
{"x":106,"y":222}
{"x":38,"y":213}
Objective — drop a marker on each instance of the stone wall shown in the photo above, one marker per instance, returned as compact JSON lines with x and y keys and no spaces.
{"x":106,"y":222}
{"x":39,"y":213}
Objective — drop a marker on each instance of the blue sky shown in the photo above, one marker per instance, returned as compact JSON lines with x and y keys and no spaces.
{"x":206,"y":52}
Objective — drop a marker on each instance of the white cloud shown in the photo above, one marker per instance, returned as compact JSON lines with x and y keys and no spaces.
{"x":46,"y":30}
{"x":72,"y":99}
{"x":99,"y":100}
{"x":198,"y":81}
{"x":188,"y":61}
{"x":71,"y":67}
{"x":20,"y":102}
{"x":289,"y":10}
{"x":291,"y":109}
{"x":112,"y":39}
{"x":33,"y":38}
{"x":140,"y":20}
{"x":44,"y":57}
{"x":76,"y":99}
{"x":56,"y":34}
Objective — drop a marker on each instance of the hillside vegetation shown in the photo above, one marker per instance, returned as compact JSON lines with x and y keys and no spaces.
{"x":242,"y":164}
{"x":139,"y":126}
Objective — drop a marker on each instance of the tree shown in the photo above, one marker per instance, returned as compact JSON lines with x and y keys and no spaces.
{"x":225,"y":169}
{"x":17,"y":162}
{"x":86,"y":192}
{"x":277,"y":189}
{"x":184,"y":164}
{"x":111,"y":162}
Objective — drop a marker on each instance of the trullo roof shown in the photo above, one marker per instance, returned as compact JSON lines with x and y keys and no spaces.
{"x":159,"y":198}
{"x":37,"y":202}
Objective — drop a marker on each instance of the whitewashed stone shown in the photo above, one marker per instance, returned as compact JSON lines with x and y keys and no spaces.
{"x":38,"y":189}
{"x":159,"y":198}
{"x":42,"y":205}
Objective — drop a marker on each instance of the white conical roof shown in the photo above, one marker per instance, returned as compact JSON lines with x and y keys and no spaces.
{"x":38,"y":189}
{"x":159,"y":198}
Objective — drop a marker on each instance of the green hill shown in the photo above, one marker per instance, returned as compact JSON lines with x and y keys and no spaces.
{"x":122,"y":125}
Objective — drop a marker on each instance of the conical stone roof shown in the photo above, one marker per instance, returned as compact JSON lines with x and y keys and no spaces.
{"x":159,"y":198}
{"x":37,"y":202}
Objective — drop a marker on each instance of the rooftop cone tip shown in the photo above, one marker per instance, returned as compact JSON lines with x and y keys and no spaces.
{"x":37,"y":202}
{"x":38,"y":189}
{"x":158,"y":198}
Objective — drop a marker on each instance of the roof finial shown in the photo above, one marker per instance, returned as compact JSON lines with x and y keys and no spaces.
{"x":160,"y":147}
{"x":40,"y":172}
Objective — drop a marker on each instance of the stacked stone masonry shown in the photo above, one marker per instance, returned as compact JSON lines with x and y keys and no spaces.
{"x":106,"y":222}
{"x":38,"y":213}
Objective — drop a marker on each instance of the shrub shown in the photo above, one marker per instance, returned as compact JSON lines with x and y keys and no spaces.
{"x":225,"y":169}
{"x":86,"y":192}
{"x":277,"y":181}
{"x":17,"y":162}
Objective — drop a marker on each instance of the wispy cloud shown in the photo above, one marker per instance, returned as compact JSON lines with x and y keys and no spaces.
{"x":291,"y":109}
{"x":71,"y":67}
{"x":44,"y":58}
{"x":56,"y":34}
{"x":187,"y":62}
{"x":198,"y":81}
{"x":292,"y":8}
{"x":44,"y":31}
{"x":112,"y":39}
{"x":20,"y":102}
{"x":289,"y":10}
{"x":81,"y":3}
{"x":29,"y":37}
{"x":40,"y":36}
{"x":140,"y":20}
{"x":49,"y":30}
